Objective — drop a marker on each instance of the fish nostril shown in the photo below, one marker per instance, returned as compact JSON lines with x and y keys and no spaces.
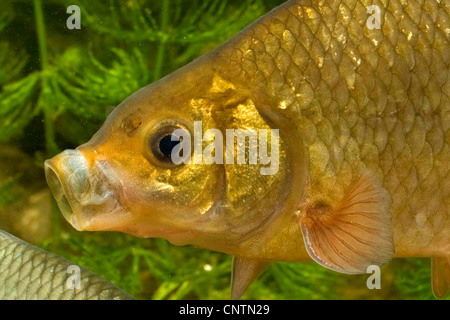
{"x":56,"y":186}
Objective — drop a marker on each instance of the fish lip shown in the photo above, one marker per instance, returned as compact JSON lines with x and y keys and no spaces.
{"x":59,"y":191}
{"x":86,"y":194}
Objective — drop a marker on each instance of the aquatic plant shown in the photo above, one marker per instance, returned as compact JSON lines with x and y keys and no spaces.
{"x":55,"y":87}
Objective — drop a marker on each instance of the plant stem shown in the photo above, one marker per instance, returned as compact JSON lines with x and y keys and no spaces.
{"x":50,"y":144}
{"x":40,"y":30}
{"x":162,"y":44}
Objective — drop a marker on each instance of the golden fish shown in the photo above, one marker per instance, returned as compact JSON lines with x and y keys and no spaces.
{"x":363,"y":113}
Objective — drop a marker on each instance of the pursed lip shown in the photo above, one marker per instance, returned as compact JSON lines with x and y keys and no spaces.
{"x":88,"y":196}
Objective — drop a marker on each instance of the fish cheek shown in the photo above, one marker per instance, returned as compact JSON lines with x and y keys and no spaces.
{"x":172,"y":199}
{"x":255,"y":185}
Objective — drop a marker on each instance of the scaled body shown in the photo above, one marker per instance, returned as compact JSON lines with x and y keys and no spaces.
{"x":30,"y":273}
{"x":363,"y":116}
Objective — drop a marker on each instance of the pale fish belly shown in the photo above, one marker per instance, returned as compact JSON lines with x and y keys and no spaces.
{"x":364,"y":98}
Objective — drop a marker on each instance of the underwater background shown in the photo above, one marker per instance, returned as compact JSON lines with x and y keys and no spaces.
{"x":56,"y":88}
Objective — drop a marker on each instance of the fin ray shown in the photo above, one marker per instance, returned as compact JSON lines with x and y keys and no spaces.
{"x":355,"y":237}
{"x":244,"y":272}
{"x":348,"y":245}
{"x":354,"y":233}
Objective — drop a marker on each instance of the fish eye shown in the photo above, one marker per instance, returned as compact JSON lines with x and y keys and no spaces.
{"x":167,"y":144}
{"x":163,"y":141}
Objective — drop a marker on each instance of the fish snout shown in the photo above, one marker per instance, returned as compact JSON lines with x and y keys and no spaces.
{"x":84,"y":192}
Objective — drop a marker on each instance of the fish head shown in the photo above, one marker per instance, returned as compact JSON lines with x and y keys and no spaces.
{"x":124,"y":179}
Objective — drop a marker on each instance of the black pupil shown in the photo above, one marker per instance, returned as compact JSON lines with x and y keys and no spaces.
{"x":166,"y":145}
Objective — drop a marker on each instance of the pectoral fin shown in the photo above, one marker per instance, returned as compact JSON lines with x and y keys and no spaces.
{"x":245,"y":271}
{"x":440,"y":276}
{"x":354,"y":233}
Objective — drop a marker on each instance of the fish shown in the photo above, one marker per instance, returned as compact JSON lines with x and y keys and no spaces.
{"x":355,"y":96}
{"x":31,"y":273}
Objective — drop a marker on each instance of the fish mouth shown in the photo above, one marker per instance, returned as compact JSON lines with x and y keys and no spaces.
{"x":88,"y":196}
